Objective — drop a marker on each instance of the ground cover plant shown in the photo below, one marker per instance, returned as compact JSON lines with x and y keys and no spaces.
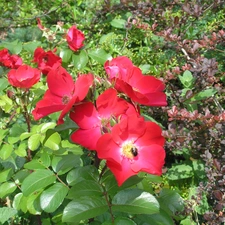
{"x":112,"y":112}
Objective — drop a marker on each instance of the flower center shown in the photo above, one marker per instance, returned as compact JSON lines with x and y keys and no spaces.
{"x":129,"y":150}
{"x":65,"y":99}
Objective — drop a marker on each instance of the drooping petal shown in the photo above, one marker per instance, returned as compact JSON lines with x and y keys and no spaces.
{"x":121,"y":172}
{"x":49,"y":104}
{"x":85,"y":116}
{"x":150,"y":159}
{"x":82,"y":85}
{"x":87,"y":138}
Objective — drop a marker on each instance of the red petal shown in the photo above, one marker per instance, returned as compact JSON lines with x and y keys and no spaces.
{"x":121,"y":172}
{"x":108,"y":149}
{"x":60,"y":82}
{"x":85,"y":116}
{"x":150,"y":159}
{"x":49,"y":104}
{"x":87,"y":138}
{"x":82,"y":85}
{"x":152,"y":135}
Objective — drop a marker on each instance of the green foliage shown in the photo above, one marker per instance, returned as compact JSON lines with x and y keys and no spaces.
{"x":44,"y":176}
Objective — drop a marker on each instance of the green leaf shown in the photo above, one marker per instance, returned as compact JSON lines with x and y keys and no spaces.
{"x":5,"y":175}
{"x":199,"y":168}
{"x":53,"y":141}
{"x":3,"y":84}
{"x":182,"y":171}
{"x":170,"y":201}
{"x":82,"y":173}
{"x":33,"y":203}
{"x":65,"y":54}
{"x":14,"y":47}
{"x":6,"y":213}
{"x":37,"y":180}
{"x":100,"y":55}
{"x":83,"y":208}
{"x":80,"y":60}
{"x":75,"y":149}
{"x":161,"y":218}
{"x":53,"y":197}
{"x":20,"y":176}
{"x":187,"y":79}
{"x":31,"y":46}
{"x":64,"y":163}
{"x":123,"y":221}
{"x":7,"y":188}
{"x":21,"y":150}
{"x":34,"y":141}
{"x":34,"y":165}
{"x":204,"y":94}
{"x":145,"y":68}
{"x":45,"y":159}
{"x":25,"y":135}
{"x":47,"y":126}
{"x":17,"y":200}
{"x":6,"y":151}
{"x":118,"y":23}
{"x":85,"y":188}
{"x":135,"y":201}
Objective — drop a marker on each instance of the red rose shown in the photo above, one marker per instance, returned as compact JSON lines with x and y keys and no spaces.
{"x":46,"y":60}
{"x":94,"y":121}
{"x":62,"y":93}
{"x":10,"y":61}
{"x":24,"y":77}
{"x":75,"y":38}
{"x":127,"y":78}
{"x":134,"y":145}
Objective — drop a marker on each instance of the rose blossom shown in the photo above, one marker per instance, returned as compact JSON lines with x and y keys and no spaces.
{"x":75,"y":38}
{"x":133,"y":145}
{"x":24,"y":77}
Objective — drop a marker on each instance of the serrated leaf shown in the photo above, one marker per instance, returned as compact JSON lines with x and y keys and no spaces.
{"x":100,"y":55}
{"x":7,"y":188}
{"x":180,"y":172}
{"x":82,"y":173}
{"x":80,"y":60}
{"x":6,"y":213}
{"x":53,"y":197}
{"x":135,"y":201}
{"x":118,"y":23}
{"x":84,"y":208}
{"x":85,"y":188}
{"x":34,"y":141}
{"x":37,"y":180}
